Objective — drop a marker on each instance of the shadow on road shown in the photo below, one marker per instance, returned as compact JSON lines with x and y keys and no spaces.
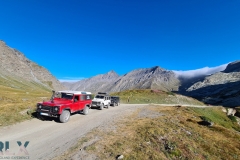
{"x":56,"y":119}
{"x":45,"y":118}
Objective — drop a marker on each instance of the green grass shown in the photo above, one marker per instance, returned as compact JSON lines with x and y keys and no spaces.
{"x":146,"y":96}
{"x":216,"y":115}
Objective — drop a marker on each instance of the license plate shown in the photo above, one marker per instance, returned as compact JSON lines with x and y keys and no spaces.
{"x":44,"y":114}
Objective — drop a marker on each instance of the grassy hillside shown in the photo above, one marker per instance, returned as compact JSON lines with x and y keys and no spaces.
{"x":18,"y":96}
{"x":154,"y":96}
{"x":157,"y":132}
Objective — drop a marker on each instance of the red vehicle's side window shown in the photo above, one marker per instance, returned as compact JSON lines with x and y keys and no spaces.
{"x":88,"y":97}
{"x":82,"y":97}
{"x":76,"y":98}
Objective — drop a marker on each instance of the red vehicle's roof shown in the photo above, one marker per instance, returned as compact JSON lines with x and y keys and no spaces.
{"x":75,"y":92}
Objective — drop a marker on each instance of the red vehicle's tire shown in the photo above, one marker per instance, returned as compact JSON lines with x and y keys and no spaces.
{"x":65,"y":116}
{"x":86,"y":110}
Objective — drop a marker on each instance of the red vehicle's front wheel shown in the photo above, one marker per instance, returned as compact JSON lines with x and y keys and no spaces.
{"x":65,"y":116}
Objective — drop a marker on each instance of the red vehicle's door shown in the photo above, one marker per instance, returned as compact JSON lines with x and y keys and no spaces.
{"x":82,"y":102}
{"x":76,"y":103}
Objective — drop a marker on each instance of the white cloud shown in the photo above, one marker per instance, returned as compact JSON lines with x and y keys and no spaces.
{"x":71,"y":79}
{"x":200,"y":72}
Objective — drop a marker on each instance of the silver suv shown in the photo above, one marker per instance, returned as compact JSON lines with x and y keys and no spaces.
{"x":101,"y":100}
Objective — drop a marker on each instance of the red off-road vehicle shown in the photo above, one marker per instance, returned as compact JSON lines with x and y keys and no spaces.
{"x":63,"y":103}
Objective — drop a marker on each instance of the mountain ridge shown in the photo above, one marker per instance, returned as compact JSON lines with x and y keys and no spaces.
{"x":204,"y":86}
{"x":16,"y":66}
{"x":135,"y":79}
{"x":221,"y":88}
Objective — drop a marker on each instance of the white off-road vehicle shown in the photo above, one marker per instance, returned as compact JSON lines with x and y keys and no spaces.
{"x":101,"y":100}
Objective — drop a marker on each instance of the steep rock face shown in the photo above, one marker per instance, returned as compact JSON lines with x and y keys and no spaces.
{"x":152,"y":78}
{"x":15,"y":65}
{"x":233,"y":67}
{"x":221,"y":88}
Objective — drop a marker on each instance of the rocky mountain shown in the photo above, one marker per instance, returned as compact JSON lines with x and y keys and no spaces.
{"x":16,"y":69}
{"x":233,"y":67}
{"x":102,"y":82}
{"x":221,"y":88}
{"x":150,"y":78}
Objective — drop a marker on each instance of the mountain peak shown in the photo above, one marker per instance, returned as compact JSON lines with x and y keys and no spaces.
{"x":156,"y":69}
{"x":233,"y":67}
{"x":16,"y":66}
{"x":1,"y":41}
{"x":110,"y":74}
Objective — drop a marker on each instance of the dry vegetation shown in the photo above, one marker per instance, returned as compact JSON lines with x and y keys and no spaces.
{"x":18,"y":100}
{"x":175,"y":133}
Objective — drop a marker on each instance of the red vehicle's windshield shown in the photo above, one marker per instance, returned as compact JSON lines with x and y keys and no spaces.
{"x":63,"y":95}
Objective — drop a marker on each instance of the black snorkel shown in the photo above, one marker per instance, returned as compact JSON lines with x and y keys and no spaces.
{"x":53,"y":93}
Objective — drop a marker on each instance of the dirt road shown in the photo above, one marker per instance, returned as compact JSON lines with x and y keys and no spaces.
{"x":48,"y":139}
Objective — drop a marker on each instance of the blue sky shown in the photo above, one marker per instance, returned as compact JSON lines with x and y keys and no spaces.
{"x":76,"y":38}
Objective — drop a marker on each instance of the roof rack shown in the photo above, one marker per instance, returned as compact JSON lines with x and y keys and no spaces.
{"x":102,"y":93}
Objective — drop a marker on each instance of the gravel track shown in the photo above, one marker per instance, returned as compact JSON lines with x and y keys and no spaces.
{"x":47,"y":139}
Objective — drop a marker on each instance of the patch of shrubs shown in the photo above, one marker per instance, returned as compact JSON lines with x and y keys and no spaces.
{"x":171,"y":93}
{"x":233,"y":118}
{"x":204,"y":118}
